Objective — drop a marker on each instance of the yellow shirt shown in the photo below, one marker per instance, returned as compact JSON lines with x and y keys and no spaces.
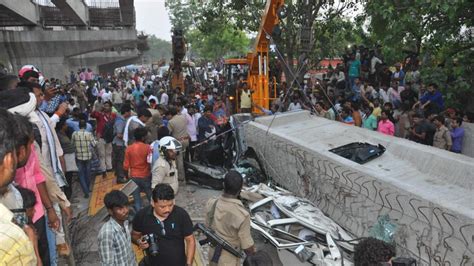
{"x":245,"y":100}
{"x":377,"y":112}
{"x":15,"y":247}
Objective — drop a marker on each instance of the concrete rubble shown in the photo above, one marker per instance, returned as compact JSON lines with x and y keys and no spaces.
{"x":425,"y":191}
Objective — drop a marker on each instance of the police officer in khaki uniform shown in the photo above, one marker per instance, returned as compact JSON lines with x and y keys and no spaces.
{"x":230,"y":220}
{"x":164,"y":168}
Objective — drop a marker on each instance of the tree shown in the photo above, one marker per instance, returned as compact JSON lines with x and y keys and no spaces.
{"x":158,"y":49}
{"x":439,"y":32}
{"x":304,"y":20}
{"x":222,"y":41}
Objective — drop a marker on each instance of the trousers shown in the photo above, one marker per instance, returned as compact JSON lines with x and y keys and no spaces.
{"x":105,"y":155}
{"x":180,"y":161}
{"x":144,"y":185}
{"x":117,"y":162}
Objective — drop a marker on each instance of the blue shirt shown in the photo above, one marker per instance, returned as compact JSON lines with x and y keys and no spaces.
{"x":136,"y":95}
{"x":435,"y":97}
{"x":204,"y":125}
{"x":354,"y":69}
{"x":74,"y":125}
{"x":457,"y":134}
{"x":119,"y":128}
{"x":401,"y":77}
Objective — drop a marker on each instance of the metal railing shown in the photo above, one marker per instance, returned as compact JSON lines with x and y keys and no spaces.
{"x":44,"y":2}
{"x":103,"y":3}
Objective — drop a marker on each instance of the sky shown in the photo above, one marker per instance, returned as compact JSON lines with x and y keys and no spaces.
{"x":152,"y":18}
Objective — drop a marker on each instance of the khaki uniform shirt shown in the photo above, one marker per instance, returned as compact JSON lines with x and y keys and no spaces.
{"x":153,"y":124}
{"x":232,"y":222}
{"x":178,"y":126}
{"x":163,"y":172}
{"x":442,"y":138}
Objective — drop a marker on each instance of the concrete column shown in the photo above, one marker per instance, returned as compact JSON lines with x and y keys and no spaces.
{"x":127,"y":11}
{"x":25,"y":11}
{"x":76,"y":10}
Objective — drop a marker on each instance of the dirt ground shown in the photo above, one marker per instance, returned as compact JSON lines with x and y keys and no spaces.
{"x":84,"y":229}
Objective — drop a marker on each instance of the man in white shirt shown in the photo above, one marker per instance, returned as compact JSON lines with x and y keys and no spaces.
{"x":164,"y":97}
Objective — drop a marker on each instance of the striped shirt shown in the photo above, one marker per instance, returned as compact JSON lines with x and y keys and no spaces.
{"x":115,"y":244}
{"x":83,"y":142}
{"x":15,"y":247}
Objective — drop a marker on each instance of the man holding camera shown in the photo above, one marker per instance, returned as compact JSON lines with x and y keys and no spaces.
{"x":161,"y":230}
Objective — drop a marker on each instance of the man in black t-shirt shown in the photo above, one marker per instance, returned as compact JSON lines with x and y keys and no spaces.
{"x":171,"y":226}
{"x":422,"y":130}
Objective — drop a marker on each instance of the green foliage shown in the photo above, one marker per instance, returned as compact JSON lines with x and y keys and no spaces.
{"x":158,"y":49}
{"x":439,"y":31}
{"x":222,"y":41}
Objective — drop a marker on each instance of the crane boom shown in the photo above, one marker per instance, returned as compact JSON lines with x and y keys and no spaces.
{"x":258,"y":60}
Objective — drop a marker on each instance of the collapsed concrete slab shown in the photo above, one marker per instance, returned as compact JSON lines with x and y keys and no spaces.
{"x":427,"y":192}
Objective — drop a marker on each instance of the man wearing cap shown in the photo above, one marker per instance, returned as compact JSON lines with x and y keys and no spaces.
{"x":399,"y":75}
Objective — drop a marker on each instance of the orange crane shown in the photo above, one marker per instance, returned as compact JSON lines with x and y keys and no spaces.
{"x":257,"y":61}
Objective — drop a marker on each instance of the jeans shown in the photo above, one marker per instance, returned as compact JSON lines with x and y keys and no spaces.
{"x":144,"y":185}
{"x":51,"y":244}
{"x":118,"y":158}
{"x":43,"y":246}
{"x":84,"y":173}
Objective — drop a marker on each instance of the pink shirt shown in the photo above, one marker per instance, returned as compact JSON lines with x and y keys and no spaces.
{"x":29,"y":176}
{"x":386,"y":127}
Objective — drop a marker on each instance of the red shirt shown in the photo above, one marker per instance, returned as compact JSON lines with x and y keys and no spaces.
{"x":136,"y":160}
{"x":102,"y":119}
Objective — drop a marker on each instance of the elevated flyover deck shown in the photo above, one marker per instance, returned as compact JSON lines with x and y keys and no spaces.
{"x":427,"y":192}
{"x":49,"y":33}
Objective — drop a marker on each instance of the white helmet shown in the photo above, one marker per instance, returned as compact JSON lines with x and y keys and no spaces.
{"x":170,"y":143}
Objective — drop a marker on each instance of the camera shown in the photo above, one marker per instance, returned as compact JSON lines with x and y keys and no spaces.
{"x":152,"y":241}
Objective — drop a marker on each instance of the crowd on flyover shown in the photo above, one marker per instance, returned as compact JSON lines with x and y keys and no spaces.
{"x":365,"y":92}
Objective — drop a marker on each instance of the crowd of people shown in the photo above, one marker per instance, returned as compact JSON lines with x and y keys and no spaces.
{"x":132,"y":123}
{"x":365,"y":92}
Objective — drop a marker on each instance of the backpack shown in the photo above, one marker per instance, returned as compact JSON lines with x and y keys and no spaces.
{"x":109,"y":133}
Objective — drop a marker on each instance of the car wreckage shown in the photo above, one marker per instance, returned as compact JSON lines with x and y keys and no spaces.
{"x":301,"y":233}
{"x":298,"y":228}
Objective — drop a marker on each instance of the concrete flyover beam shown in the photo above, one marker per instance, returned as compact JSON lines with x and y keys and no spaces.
{"x":98,"y":58}
{"x":76,"y":10}
{"x":109,"y":68}
{"x":23,"y":44}
{"x":49,"y":50}
{"x":127,"y":12}
{"x":428,"y":193}
{"x":18,"y":13}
